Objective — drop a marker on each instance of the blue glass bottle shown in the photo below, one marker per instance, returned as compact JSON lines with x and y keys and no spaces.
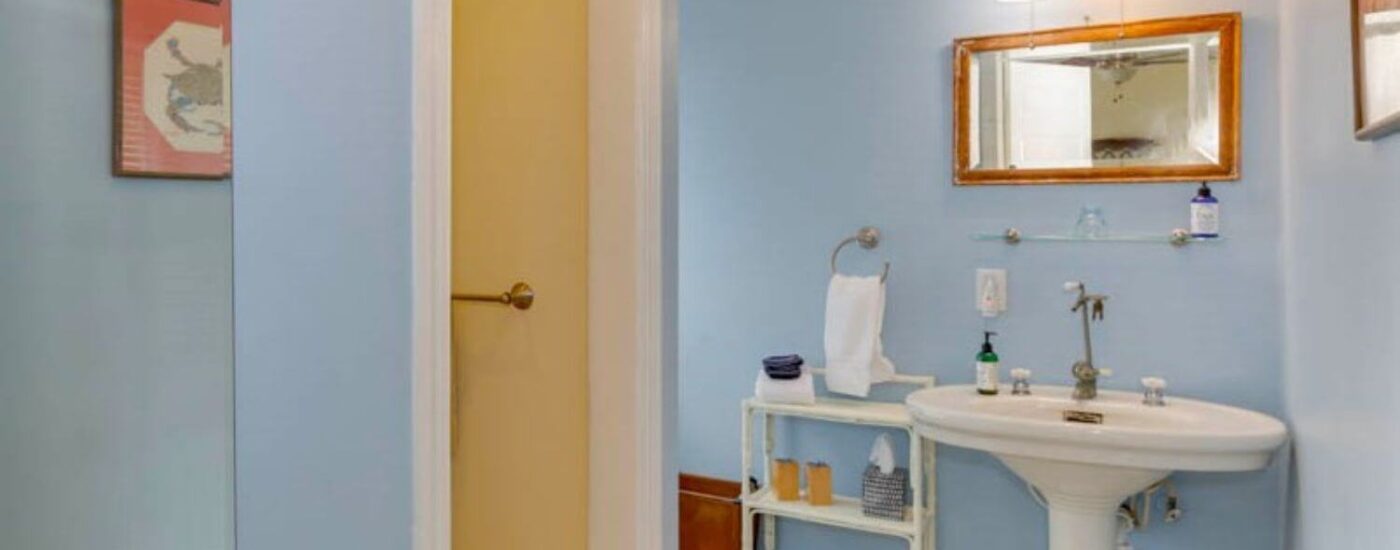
{"x":1205,"y":214}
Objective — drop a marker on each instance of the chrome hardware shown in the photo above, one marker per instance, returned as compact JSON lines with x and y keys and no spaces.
{"x":1086,"y":375}
{"x":869,"y":239}
{"x":1154,"y":392}
{"x":1139,"y":506}
{"x":1180,"y":237}
{"x":520,"y":297}
{"x":1020,"y":382}
{"x":1013,"y":236}
{"x":1174,"y":512}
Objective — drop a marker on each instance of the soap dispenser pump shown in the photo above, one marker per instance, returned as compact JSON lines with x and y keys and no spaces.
{"x":987,"y":365}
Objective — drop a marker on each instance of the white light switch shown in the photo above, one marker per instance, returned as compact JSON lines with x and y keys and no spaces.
{"x":991,"y":292}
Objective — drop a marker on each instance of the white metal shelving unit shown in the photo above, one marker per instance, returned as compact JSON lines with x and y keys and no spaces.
{"x":845,"y":512}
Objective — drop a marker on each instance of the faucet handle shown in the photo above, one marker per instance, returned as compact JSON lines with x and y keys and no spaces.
{"x":1154,"y":392}
{"x":1073,"y":286}
{"x":1105,"y":373}
{"x":1020,"y":382}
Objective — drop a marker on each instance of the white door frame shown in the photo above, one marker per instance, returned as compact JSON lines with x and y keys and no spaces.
{"x":632,"y":242}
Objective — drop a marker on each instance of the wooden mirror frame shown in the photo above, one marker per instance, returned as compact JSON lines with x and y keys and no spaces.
{"x":1227,"y":24}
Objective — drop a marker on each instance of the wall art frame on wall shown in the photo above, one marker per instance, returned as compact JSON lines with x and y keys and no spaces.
{"x":172,"y":114}
{"x":1375,"y":43}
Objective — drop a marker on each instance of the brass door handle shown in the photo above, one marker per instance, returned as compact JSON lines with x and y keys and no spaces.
{"x":521,"y":297}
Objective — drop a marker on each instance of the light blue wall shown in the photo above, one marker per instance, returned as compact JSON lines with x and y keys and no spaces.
{"x":1342,"y":264}
{"x":116,"y":378}
{"x":802,"y":120}
{"x":321,"y":233}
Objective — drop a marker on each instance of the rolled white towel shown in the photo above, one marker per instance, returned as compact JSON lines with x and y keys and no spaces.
{"x":798,"y":391}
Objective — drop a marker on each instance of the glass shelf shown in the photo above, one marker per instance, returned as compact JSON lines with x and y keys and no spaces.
{"x":1175,"y":238}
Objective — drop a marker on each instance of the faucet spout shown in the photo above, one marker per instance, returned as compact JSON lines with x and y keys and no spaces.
{"x":1086,"y":375}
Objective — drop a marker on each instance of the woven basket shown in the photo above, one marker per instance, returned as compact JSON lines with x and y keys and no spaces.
{"x":882,"y":495}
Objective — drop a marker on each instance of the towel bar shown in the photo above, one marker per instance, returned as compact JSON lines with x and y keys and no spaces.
{"x":521,"y":297}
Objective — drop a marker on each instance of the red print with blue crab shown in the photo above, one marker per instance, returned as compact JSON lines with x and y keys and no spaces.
{"x":173,"y":99}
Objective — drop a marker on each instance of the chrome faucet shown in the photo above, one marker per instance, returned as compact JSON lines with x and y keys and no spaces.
{"x":1086,"y":375}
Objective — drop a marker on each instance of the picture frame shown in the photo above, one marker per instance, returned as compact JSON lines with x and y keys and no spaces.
{"x":1375,"y":42}
{"x":172,"y":104}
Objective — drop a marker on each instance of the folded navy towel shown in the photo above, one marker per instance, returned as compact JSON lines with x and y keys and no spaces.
{"x":793,"y":360}
{"x":786,"y":367}
{"x":783,"y":373}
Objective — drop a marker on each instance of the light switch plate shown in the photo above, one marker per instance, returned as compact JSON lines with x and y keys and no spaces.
{"x":996,"y":303}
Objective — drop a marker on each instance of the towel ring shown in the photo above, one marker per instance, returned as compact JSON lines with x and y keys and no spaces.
{"x":869,"y":239}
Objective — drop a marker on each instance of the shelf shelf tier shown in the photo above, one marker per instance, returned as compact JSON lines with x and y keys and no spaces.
{"x":844,"y":512}
{"x":844,"y":411}
{"x":1013,"y":236}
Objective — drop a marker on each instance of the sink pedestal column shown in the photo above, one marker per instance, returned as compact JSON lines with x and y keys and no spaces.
{"x":1083,"y":524}
{"x":1083,"y":498}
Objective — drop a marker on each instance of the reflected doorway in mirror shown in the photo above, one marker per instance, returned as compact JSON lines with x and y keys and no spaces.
{"x":1376,"y":60}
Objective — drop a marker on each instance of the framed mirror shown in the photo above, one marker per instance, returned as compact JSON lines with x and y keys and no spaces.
{"x":1150,"y":101}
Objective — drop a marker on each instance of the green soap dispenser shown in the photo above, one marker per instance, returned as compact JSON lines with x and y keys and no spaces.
{"x":987,"y":364}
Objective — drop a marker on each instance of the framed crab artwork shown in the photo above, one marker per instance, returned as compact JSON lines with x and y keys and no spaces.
{"x":173,"y":111}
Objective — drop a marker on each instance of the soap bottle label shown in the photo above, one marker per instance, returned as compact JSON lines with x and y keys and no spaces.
{"x":1205,"y":219}
{"x":987,"y":378}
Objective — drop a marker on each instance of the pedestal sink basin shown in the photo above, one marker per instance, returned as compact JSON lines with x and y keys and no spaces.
{"x":1086,"y":469}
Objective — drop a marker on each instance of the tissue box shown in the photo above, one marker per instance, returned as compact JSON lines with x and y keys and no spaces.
{"x":882,"y":495}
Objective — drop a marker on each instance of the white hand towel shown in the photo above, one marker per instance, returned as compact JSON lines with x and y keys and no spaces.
{"x":798,"y":391}
{"x":855,"y":316}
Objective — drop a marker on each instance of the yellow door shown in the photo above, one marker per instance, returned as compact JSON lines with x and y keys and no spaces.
{"x":520,"y":212}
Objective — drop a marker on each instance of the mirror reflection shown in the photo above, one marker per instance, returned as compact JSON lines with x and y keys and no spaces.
{"x":1136,"y":102}
{"x":1130,"y":102}
{"x":1376,"y":43}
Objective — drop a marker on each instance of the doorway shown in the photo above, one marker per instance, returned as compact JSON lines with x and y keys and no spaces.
{"x":630,"y":239}
{"x":520,"y":215}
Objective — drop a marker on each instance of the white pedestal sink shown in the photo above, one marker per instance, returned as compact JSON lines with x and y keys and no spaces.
{"x":1086,"y":470}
